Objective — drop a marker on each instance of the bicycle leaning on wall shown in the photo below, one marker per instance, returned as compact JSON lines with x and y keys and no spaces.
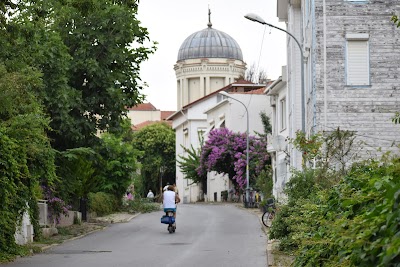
{"x":269,"y":213}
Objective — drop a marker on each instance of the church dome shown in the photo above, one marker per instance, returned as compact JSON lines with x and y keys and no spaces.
{"x":209,"y":43}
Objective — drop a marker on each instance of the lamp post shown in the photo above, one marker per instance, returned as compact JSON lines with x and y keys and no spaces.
{"x":162,"y":170}
{"x":256,"y":18}
{"x":247,"y":145}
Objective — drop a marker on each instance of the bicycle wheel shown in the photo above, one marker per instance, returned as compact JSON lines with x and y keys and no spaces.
{"x":267,"y":218}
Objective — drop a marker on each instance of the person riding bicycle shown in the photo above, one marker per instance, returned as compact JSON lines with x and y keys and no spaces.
{"x":170,"y":199}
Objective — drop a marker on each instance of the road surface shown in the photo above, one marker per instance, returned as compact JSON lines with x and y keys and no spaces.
{"x":206,"y":235}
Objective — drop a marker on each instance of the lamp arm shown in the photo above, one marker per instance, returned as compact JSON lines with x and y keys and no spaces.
{"x":302,"y":75}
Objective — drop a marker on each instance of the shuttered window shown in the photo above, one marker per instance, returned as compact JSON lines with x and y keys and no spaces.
{"x":357,"y":62}
{"x":283,"y":113}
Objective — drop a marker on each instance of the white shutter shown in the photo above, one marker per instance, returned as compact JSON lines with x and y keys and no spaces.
{"x":283,"y":113}
{"x":357,"y":62}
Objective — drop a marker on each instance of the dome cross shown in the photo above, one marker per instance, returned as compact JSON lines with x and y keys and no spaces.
{"x":209,"y":24}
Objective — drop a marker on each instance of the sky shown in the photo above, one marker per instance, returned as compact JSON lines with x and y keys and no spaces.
{"x":170,"y":22}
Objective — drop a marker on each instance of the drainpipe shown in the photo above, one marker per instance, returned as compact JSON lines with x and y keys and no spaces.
{"x":324,"y":55}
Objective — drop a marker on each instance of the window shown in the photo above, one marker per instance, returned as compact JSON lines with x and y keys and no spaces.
{"x":282,"y":112}
{"x":205,"y":135}
{"x":357,"y":59}
{"x":221,"y":124}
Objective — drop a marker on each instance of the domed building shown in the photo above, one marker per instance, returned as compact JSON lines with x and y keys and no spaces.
{"x":210,"y":61}
{"x":207,"y":61}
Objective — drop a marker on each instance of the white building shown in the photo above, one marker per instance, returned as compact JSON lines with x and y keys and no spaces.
{"x":351,"y":73}
{"x":210,"y":61}
{"x":145,"y":114}
{"x":278,"y":146}
{"x":196,"y":119}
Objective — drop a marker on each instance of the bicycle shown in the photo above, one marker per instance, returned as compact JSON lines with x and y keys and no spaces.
{"x":269,"y":214}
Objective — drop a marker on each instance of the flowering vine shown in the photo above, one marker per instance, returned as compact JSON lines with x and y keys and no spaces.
{"x":56,"y":206}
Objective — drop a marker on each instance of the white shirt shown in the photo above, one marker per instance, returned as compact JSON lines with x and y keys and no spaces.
{"x":169,"y":199}
{"x":150,"y":195}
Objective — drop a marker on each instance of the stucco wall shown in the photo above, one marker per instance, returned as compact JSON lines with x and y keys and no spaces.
{"x":138,"y":116}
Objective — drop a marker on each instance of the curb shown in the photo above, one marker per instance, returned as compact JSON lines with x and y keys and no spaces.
{"x":44,"y":248}
{"x":72,"y":239}
{"x":268,"y":250}
{"x":133,"y":216}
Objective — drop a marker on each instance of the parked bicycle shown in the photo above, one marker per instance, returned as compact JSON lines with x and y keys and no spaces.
{"x":269,"y":213}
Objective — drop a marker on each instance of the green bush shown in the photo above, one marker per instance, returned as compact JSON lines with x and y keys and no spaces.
{"x":142,"y":205}
{"x":302,"y":185}
{"x":355,"y":223}
{"x":264,"y":182}
{"x":102,"y":203}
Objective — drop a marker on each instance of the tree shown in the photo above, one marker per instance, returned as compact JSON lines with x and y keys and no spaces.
{"x":264,"y":181}
{"x":27,"y":159}
{"x":79,"y":174}
{"x":225,"y":152}
{"x":157,"y":144}
{"x":256,"y":76}
{"x":118,"y":165}
{"x":106,"y":43}
{"x":89,"y":53}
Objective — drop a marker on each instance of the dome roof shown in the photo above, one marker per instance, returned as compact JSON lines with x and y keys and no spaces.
{"x":209,"y":43}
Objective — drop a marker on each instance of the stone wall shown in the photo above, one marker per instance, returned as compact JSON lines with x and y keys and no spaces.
{"x":367,"y":110}
{"x":69,"y":220}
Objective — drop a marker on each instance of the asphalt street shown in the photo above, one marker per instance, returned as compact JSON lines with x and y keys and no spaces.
{"x":206,"y":235}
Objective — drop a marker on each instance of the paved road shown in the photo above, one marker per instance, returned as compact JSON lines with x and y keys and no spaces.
{"x":206,"y":235}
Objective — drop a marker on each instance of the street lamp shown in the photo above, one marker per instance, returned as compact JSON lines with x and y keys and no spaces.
{"x":247,"y":145}
{"x":256,"y":18}
{"x":162,"y":170}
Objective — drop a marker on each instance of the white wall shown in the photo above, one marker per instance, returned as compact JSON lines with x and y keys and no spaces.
{"x":186,"y":127}
{"x":138,"y":116}
{"x":236,"y":119}
{"x":234,"y":115}
{"x":24,"y":232}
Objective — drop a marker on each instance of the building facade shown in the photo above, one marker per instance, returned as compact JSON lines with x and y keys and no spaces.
{"x":194,"y":121}
{"x":278,"y":145}
{"x":145,"y":114}
{"x":351,"y":71}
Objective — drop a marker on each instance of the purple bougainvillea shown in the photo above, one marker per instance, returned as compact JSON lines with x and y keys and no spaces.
{"x":225,"y":152}
{"x":56,"y":205}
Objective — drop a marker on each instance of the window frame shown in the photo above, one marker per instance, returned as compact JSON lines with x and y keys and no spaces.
{"x":282,"y":114}
{"x":353,"y":38}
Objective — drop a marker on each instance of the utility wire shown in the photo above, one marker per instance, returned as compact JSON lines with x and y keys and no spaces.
{"x":258,"y":65}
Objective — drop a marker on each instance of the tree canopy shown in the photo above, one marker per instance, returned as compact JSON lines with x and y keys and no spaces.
{"x":27,"y":158}
{"x":89,"y":53}
{"x":69,"y":69}
{"x":157,"y":144}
